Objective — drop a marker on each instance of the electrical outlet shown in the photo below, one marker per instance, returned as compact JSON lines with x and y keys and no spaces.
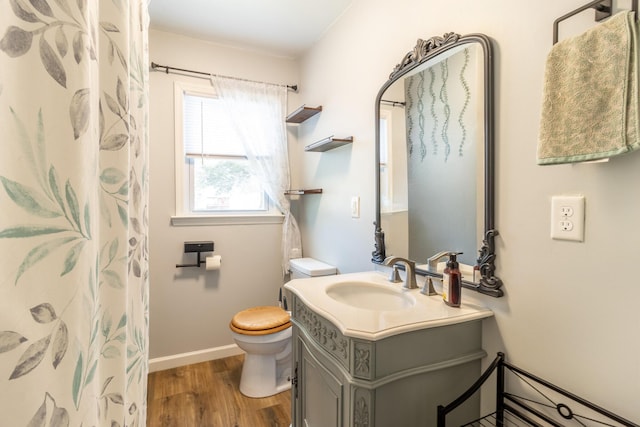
{"x":566,"y":225}
{"x":566,"y":211}
{"x":567,"y":218}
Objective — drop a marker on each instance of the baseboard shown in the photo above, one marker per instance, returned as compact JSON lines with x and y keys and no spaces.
{"x":176,"y":360}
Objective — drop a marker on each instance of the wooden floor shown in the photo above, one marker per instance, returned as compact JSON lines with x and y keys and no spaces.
{"x":206,"y":395}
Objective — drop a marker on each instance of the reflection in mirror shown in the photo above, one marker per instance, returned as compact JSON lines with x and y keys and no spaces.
{"x":428,"y":146}
{"x":435,"y":159}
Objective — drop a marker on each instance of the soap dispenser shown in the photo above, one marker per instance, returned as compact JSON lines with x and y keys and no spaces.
{"x":452,"y":281}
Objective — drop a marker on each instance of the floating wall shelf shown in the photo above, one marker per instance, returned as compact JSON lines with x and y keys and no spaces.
{"x":303,"y":113}
{"x":328,"y":144}
{"x":303,"y":192}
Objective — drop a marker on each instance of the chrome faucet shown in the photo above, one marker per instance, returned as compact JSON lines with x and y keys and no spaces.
{"x":410,"y":270}
{"x":432,"y":263}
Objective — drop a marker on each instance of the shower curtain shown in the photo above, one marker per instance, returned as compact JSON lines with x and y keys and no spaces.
{"x":73,"y":212}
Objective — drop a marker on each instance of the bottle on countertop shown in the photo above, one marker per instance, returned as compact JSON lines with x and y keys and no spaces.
{"x":452,"y":281}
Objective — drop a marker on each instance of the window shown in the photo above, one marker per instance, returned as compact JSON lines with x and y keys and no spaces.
{"x":213,"y":174}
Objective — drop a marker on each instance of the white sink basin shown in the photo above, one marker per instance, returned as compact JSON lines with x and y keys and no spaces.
{"x":369,"y":296}
{"x":366,"y":305}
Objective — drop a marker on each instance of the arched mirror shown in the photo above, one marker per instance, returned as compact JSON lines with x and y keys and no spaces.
{"x":435,"y":160}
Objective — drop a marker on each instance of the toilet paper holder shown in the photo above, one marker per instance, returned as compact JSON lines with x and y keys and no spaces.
{"x":197,"y":247}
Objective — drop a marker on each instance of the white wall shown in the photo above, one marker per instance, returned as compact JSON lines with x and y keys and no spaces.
{"x":190,"y":308}
{"x":570,"y":312}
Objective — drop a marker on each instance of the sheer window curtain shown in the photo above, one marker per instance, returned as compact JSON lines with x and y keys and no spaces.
{"x":73,"y":216}
{"x":257,"y":111}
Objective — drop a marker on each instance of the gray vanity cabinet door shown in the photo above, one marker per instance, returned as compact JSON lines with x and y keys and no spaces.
{"x":321,"y":392}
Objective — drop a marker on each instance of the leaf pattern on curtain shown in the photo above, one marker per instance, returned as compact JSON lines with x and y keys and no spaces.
{"x":73,"y":228}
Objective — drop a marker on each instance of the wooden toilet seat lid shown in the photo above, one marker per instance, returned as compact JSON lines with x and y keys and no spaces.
{"x":261,"y":320}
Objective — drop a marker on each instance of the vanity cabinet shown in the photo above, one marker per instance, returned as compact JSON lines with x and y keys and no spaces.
{"x":321,"y":391}
{"x":395,"y":381}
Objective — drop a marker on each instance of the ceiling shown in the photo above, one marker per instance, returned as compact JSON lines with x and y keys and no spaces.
{"x":282,"y":27}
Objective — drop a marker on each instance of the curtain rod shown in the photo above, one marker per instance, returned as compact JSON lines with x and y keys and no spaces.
{"x":392,"y":103}
{"x":166,"y":69}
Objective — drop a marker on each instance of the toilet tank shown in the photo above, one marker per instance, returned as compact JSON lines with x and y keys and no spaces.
{"x":309,"y":267}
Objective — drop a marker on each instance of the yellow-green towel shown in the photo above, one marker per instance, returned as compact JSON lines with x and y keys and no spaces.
{"x":590,"y":105}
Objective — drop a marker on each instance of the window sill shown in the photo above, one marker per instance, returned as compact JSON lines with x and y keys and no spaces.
{"x":200,"y":220}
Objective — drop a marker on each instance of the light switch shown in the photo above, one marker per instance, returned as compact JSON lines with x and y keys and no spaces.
{"x":355,"y":207}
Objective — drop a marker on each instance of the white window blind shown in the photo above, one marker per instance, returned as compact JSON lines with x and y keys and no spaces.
{"x":207,"y":131}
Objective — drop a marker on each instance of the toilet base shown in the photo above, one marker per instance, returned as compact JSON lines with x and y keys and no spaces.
{"x":261,"y":376}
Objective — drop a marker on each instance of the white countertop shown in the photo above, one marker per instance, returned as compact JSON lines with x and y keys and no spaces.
{"x":426,"y":311}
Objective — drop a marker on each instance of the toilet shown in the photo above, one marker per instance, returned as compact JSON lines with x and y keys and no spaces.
{"x":264,"y":333}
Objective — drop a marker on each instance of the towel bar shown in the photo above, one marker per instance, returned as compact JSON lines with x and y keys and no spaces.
{"x":603,"y":9}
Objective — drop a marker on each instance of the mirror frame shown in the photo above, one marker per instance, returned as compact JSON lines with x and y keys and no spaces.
{"x":424,"y":51}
